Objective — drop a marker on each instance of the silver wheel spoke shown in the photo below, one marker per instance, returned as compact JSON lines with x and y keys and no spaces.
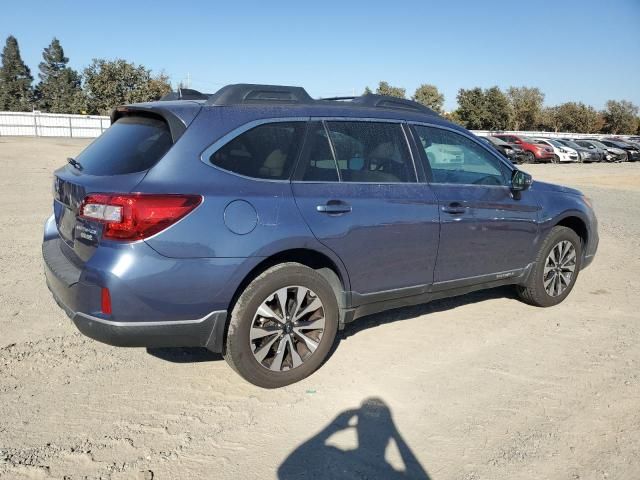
{"x":265,"y":311}
{"x":301,"y":294}
{"x":313,"y":325}
{"x":261,"y":332}
{"x":295,"y":358}
{"x":311,"y":344}
{"x":262,"y":353}
{"x":281,"y":295}
{"x":313,"y":306}
{"x":277,"y":359}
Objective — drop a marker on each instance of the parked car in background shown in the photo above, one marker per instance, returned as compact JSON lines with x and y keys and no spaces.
{"x":633,"y":154}
{"x":561,"y":152}
{"x":257,"y":222}
{"x":513,"y":152}
{"x":585,"y":155}
{"x":608,"y":154}
{"x":534,"y":152}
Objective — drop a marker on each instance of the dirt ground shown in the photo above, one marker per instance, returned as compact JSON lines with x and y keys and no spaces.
{"x":477,"y":387}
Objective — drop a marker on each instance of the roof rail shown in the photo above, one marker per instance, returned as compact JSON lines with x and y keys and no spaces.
{"x":384,"y":101}
{"x":185,"y":94}
{"x":246,"y":93}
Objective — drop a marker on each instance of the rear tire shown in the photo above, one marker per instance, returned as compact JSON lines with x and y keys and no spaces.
{"x":271,"y":348}
{"x":556,"y":159}
{"x":555,"y":269}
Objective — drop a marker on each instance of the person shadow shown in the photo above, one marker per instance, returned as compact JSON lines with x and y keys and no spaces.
{"x":375,"y":431}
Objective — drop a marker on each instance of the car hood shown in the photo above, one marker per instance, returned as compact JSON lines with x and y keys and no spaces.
{"x":615,"y":150}
{"x":552,"y":187}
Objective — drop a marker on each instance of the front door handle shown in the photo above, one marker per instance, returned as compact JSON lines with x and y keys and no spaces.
{"x":334,"y":207}
{"x":454,"y":208}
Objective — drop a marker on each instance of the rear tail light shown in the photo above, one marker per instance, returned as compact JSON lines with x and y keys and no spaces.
{"x":136,"y":216}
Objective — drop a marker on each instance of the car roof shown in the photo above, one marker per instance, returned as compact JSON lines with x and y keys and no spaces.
{"x":264,"y":101}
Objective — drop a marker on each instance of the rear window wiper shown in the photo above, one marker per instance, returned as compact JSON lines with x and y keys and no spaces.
{"x":75,"y":163}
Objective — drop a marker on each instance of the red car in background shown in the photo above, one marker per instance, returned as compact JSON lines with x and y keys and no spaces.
{"x":534,"y":152}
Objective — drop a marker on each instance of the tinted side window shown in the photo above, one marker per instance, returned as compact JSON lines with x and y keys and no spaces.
{"x":267,"y":151}
{"x":453,"y":158}
{"x":131,"y":144}
{"x":319,"y":164}
{"x":371,"y":152}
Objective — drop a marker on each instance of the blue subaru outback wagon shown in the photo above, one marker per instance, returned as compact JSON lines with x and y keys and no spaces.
{"x":258,"y":221}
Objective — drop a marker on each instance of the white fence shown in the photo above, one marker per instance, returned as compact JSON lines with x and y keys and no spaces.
{"x":36,"y":124}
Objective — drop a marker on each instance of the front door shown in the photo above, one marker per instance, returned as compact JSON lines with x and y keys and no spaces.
{"x":356,"y":189}
{"x":486,"y":232}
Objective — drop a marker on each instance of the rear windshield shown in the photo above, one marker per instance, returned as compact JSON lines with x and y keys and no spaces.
{"x":131,"y":144}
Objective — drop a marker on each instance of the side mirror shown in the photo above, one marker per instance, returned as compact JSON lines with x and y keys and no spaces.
{"x":520,"y":181}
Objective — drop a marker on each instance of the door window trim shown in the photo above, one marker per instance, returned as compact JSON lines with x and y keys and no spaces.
{"x":503,"y":163}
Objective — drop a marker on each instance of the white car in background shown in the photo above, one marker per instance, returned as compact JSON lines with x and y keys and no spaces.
{"x":561,"y":153}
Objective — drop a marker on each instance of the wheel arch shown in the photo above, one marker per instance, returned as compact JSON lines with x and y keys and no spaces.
{"x":334,"y":273}
{"x":576,"y":224}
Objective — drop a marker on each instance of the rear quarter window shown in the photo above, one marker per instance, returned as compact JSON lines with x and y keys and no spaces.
{"x":132,"y":144}
{"x":268,"y":151}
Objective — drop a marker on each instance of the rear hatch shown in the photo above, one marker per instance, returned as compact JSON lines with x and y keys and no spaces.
{"x":115,"y":162}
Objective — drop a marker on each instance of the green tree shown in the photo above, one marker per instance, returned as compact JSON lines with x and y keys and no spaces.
{"x":471,"y":108}
{"x":620,"y":117}
{"x":526,"y":104}
{"x":367,"y":91}
{"x":16,"y":93}
{"x":497,"y":110}
{"x":454,"y":117}
{"x":109,"y":83}
{"x":59,"y":90}
{"x":385,"y":89}
{"x":548,"y":119}
{"x":578,"y":118}
{"x":429,"y":96}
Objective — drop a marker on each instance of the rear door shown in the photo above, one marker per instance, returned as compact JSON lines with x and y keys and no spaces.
{"x":114,"y":162}
{"x":486,"y":232}
{"x":356,"y":188}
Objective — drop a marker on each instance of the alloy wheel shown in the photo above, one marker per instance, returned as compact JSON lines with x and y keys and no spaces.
{"x":559,"y":268}
{"x":287,"y":328}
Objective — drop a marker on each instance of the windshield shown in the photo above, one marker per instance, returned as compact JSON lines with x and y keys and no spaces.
{"x":598,"y":144}
{"x":571,"y":144}
{"x":528,"y":140}
{"x":556,"y":143}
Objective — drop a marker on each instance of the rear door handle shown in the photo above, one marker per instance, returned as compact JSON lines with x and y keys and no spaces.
{"x":334,"y":207}
{"x":454,"y":208}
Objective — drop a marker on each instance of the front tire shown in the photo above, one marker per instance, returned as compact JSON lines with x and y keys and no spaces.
{"x":282,"y":326}
{"x":555,"y":269}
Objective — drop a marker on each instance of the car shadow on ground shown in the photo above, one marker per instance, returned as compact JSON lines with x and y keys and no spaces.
{"x":375,"y":430}
{"x":195,"y":354}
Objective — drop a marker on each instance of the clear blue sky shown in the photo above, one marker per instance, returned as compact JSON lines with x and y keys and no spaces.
{"x":582,"y":50}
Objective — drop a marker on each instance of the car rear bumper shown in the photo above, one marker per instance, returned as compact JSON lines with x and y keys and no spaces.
{"x":139,"y":320}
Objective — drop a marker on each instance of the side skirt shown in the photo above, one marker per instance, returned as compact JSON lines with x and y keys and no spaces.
{"x":371,"y":303}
